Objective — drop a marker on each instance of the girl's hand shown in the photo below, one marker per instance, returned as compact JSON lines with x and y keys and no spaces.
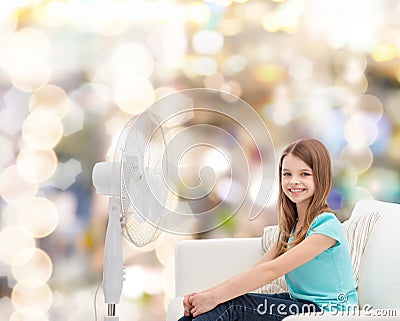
{"x":202,"y":302}
{"x":186,"y":304}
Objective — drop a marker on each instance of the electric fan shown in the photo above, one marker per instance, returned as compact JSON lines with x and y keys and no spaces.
{"x":138,"y":194}
{"x":147,"y":163}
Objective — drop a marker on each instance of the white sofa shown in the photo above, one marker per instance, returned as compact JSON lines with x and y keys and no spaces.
{"x":202,"y":263}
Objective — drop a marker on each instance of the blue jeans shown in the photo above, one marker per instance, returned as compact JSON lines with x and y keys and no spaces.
{"x":256,"y":307}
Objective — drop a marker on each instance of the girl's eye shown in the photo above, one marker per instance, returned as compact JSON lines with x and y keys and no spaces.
{"x":285,"y":174}
{"x":306,"y":174}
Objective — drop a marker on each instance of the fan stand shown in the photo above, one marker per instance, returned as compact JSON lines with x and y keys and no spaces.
{"x":114,"y":272}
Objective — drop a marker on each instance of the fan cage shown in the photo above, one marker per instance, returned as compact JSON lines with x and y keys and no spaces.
{"x":140,"y":147}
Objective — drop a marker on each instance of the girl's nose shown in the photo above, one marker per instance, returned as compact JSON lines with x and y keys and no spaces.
{"x":295,"y":180}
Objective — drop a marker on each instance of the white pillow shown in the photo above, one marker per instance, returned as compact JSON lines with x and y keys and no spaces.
{"x":358,"y":232}
{"x":279,"y":285}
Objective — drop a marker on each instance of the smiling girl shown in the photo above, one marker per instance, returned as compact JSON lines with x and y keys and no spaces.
{"x":311,"y":252}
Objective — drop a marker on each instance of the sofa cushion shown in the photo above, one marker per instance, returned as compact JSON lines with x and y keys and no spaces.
{"x":279,"y":285}
{"x":358,"y":231}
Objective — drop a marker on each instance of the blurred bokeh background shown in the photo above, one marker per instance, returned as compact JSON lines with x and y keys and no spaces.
{"x":73,"y":72}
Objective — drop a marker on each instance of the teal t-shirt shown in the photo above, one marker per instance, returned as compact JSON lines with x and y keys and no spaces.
{"x":326,"y":280}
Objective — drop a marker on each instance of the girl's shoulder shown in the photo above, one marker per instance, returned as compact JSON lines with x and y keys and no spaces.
{"x":325,"y":218}
{"x":328,"y":224}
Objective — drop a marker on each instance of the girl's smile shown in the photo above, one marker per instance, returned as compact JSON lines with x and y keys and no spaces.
{"x":296,"y":190}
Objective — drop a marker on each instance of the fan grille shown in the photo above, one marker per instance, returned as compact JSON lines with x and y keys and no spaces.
{"x":141,"y":151}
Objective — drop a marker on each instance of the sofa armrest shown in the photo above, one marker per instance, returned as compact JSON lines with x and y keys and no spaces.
{"x":365,"y":207}
{"x":200,"y":264}
{"x":175,"y":309}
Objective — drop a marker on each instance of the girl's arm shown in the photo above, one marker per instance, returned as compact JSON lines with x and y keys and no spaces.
{"x":263,"y":272}
{"x":268,"y":256}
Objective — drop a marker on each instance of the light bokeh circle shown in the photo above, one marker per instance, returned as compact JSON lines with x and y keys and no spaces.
{"x":52,"y":98}
{"x":36,"y":165}
{"x":13,"y":241}
{"x":42,"y":129}
{"x":32,"y":264}
{"x":39,"y":216}
{"x":14,"y":188}
{"x":32,"y":297}
{"x":360,"y":158}
{"x":24,"y":59}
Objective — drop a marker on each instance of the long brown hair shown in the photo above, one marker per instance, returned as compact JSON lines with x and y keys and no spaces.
{"x":316,"y":156}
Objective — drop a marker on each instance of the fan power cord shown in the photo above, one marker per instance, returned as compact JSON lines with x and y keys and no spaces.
{"x":95,"y":300}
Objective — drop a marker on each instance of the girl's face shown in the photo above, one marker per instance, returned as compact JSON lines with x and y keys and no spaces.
{"x":297,"y":180}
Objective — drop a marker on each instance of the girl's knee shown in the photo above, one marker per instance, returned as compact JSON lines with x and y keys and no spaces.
{"x":220,"y":313}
